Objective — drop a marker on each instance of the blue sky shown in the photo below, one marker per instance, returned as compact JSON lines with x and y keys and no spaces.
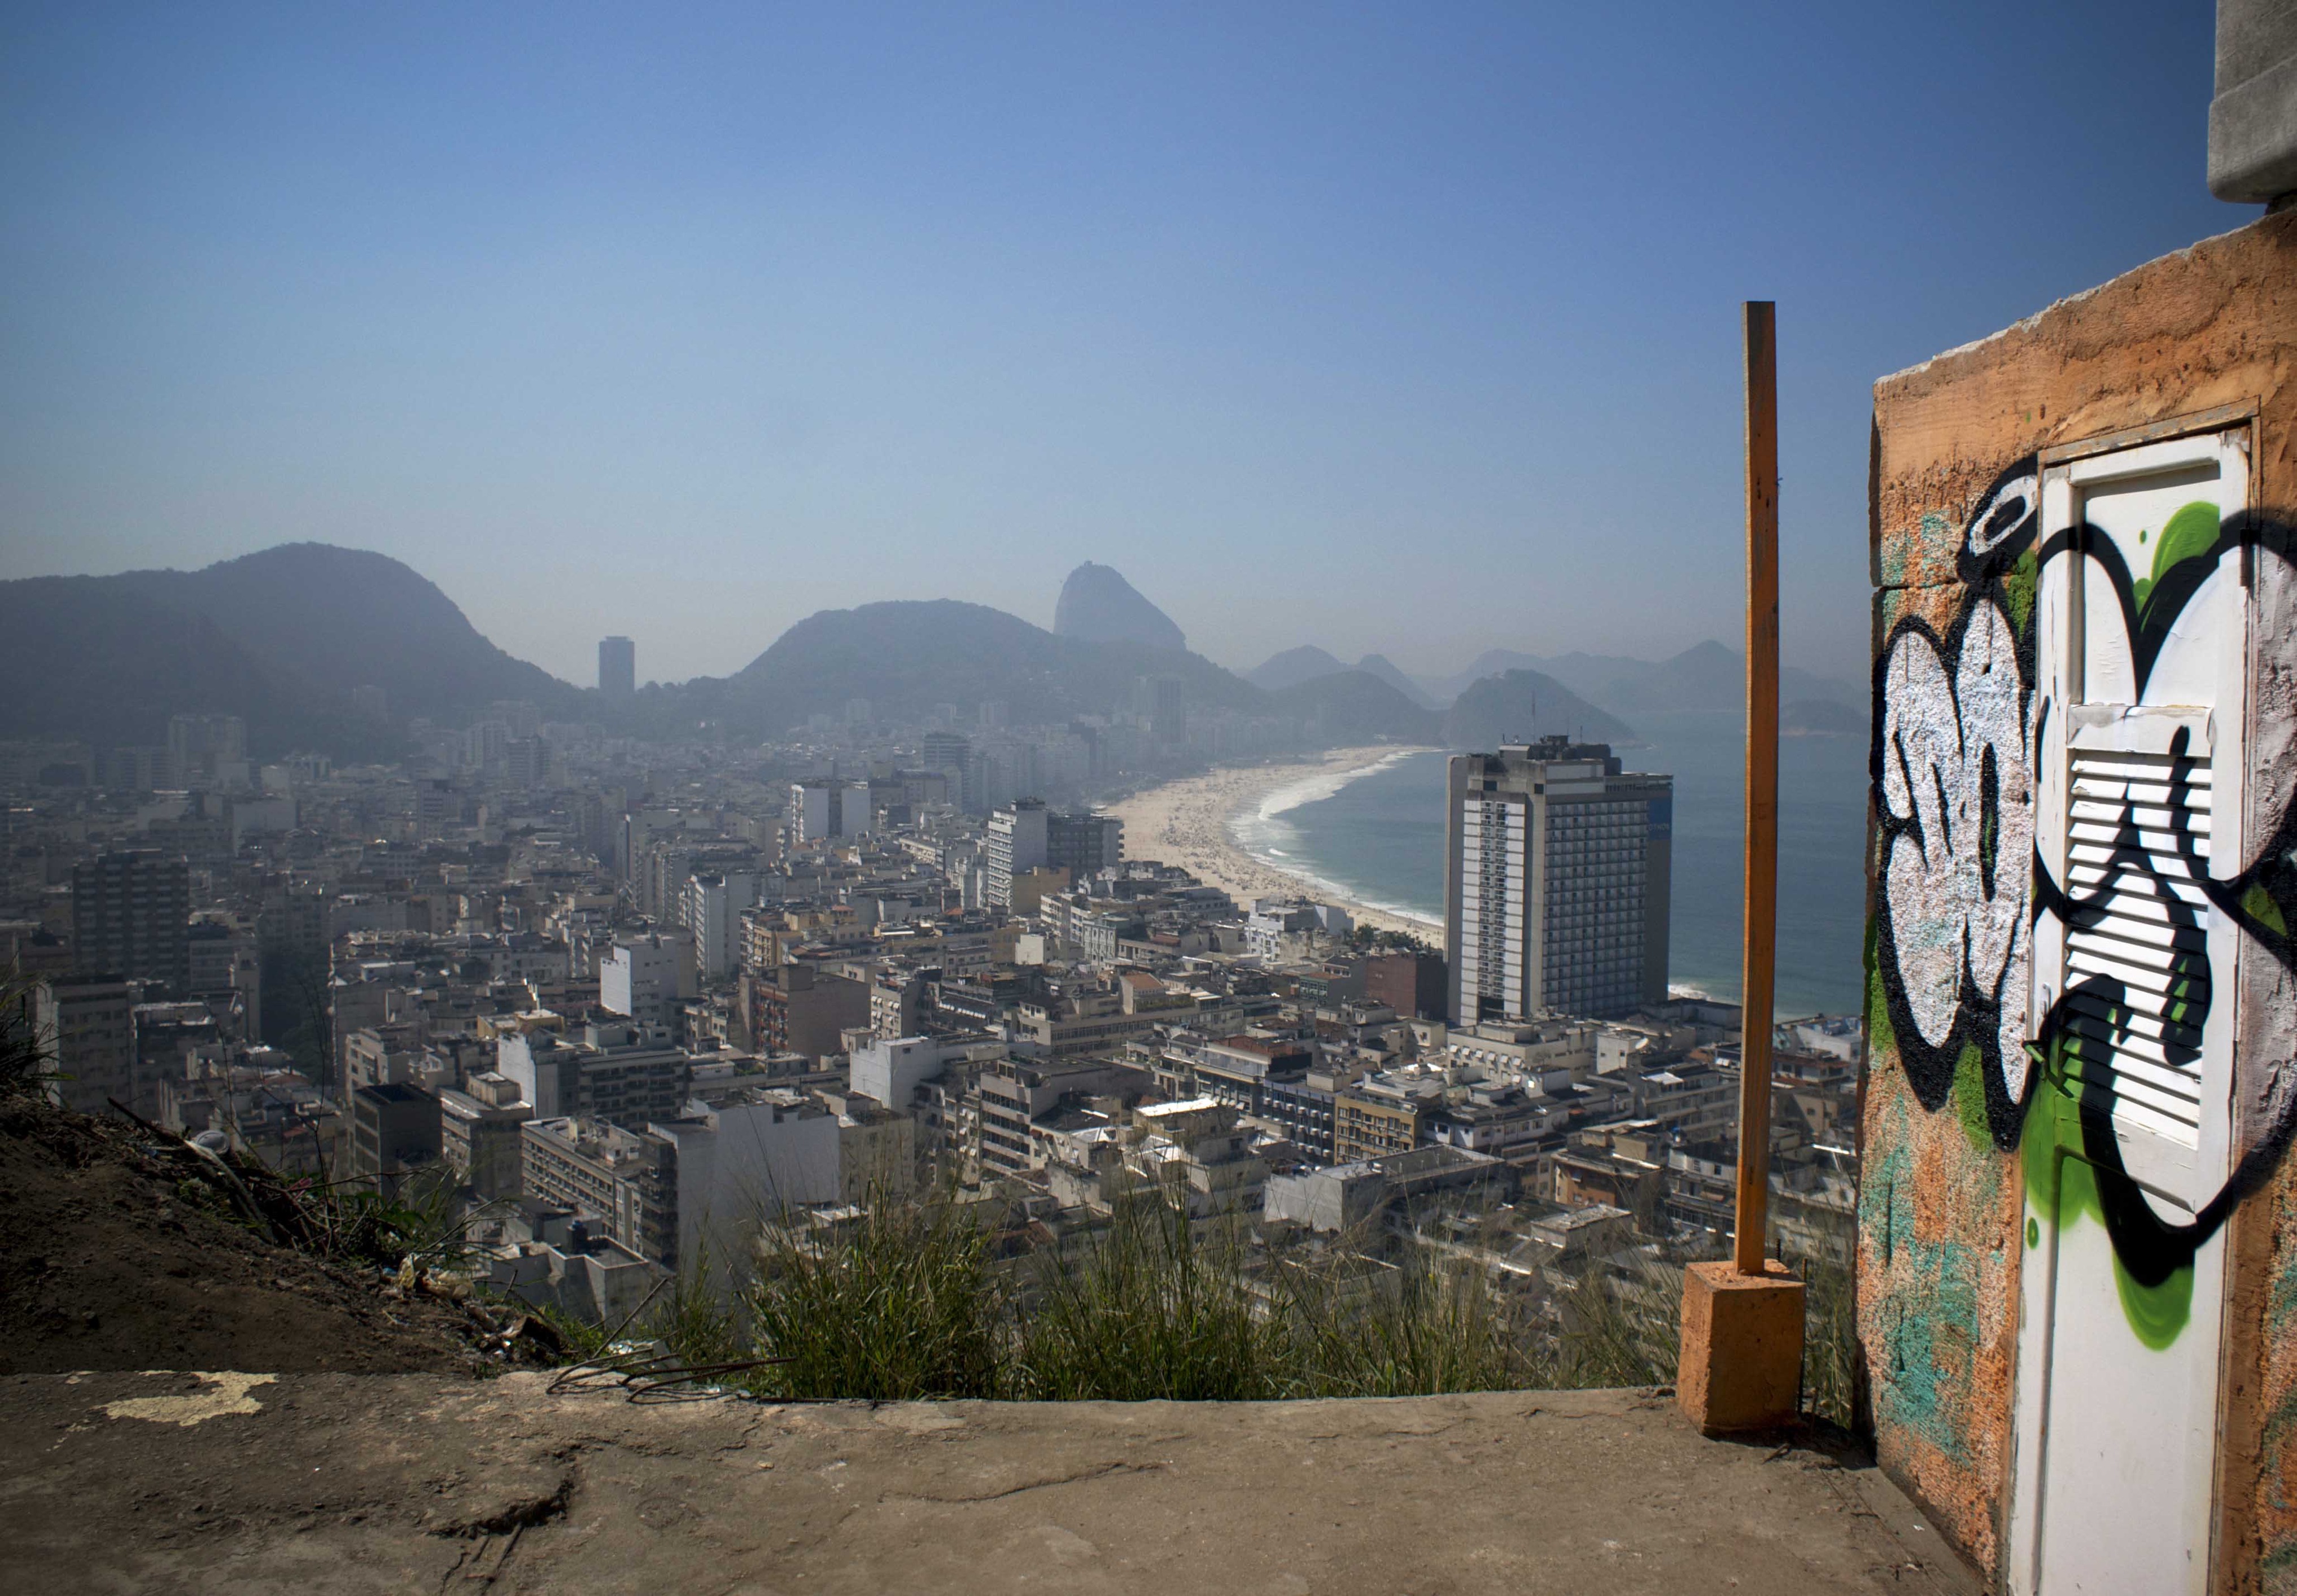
{"x":1406,"y":327}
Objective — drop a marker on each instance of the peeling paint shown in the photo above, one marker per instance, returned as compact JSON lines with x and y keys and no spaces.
{"x":2208,"y":330}
{"x":224,"y":1394}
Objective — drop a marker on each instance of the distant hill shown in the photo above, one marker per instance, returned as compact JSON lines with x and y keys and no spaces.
{"x":277,"y":638}
{"x":1355,"y":706}
{"x":1386,"y":670}
{"x":1492,"y":661}
{"x":342,"y":618}
{"x":905,"y":657}
{"x":1708,"y":676}
{"x":1820,"y":717}
{"x":1518,"y":705}
{"x":1099,"y":606}
{"x":1306,"y":663}
{"x":1293,"y":667}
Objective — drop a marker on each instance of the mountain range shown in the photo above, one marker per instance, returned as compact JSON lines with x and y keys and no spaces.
{"x":278,"y":637}
{"x":281,"y":638}
{"x":1099,"y":606}
{"x":1297,"y":665}
{"x":907,"y":657}
{"x":1706,"y":677}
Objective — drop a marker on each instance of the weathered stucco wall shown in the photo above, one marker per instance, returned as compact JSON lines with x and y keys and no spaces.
{"x":1953,"y":502}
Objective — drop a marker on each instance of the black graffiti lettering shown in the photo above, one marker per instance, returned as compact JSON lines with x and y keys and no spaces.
{"x":1946,"y":775}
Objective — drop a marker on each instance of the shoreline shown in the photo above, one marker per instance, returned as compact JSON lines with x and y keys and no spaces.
{"x":1187,"y":823}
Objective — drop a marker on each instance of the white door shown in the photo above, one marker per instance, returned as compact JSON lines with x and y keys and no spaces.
{"x":2140,"y":630}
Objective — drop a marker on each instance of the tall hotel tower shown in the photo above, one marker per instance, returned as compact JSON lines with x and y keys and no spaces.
{"x":1555,"y":894}
{"x":618,"y":667}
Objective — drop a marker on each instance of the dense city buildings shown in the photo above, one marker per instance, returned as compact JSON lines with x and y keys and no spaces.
{"x":632,"y":1003}
{"x":1557,"y":883}
{"x":208,"y":751}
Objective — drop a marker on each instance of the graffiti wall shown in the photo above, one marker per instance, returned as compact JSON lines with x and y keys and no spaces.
{"x":1974,"y":1098}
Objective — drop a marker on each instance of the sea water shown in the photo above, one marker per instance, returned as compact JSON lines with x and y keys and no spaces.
{"x":1378,"y":838}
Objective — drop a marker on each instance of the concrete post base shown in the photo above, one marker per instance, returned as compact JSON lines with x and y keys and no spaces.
{"x":1741,"y":1366}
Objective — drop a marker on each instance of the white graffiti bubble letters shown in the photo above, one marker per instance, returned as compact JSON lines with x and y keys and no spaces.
{"x":1957,"y":775}
{"x":2007,"y":509}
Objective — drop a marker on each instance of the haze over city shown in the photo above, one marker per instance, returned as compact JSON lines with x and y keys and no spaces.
{"x":1379,"y":328}
{"x":1308,"y":798}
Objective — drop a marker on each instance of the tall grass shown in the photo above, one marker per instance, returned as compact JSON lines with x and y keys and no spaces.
{"x":906,"y":1303}
{"x":699,"y":1324}
{"x":27,"y":1058}
{"x":1413,"y":1329}
{"x":1149,"y":1310}
{"x":1830,"y":1345}
{"x":913,"y":1302}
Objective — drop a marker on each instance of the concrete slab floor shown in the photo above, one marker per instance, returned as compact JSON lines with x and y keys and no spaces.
{"x":325,"y":1483}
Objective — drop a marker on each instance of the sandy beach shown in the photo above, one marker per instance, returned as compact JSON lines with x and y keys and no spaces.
{"x":1186,"y":823}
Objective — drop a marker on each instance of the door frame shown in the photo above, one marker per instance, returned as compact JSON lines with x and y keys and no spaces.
{"x":2227,"y":431}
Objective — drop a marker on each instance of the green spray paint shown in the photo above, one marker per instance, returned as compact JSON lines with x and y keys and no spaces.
{"x":1924,"y":1350}
{"x":2191,"y":534}
{"x":2062,"y":1188}
{"x":2018,"y":585}
{"x":1881,"y":1038}
{"x":2260,"y":907}
{"x":1970,"y":1098}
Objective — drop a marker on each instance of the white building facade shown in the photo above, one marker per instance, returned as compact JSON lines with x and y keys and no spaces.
{"x":1557,"y":883}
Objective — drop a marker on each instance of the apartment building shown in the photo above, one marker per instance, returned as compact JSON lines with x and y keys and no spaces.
{"x":1557,"y":887}
{"x":88,"y":1023}
{"x":131,"y":917}
{"x":480,"y":1134}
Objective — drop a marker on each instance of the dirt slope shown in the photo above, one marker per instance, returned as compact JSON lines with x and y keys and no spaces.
{"x":109,"y":1261}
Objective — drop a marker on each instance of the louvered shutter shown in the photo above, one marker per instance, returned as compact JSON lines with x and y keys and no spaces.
{"x":2136,"y":960}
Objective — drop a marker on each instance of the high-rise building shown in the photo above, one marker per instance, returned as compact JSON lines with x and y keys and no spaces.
{"x":1556,"y":884}
{"x":810,"y":818}
{"x":1084,"y":844}
{"x":394,"y":1134}
{"x":618,"y":667}
{"x":1161,"y":705}
{"x":207,"y":749}
{"x":1025,"y":836}
{"x":645,"y":976}
{"x":131,"y":917}
{"x":521,"y":717}
{"x":526,"y":761}
{"x":945,"y":751}
{"x":1014,"y":845}
{"x":89,"y":1023}
{"x":711,"y":910}
{"x":857,"y":808}
{"x":825,"y":808}
{"x":225,"y":970}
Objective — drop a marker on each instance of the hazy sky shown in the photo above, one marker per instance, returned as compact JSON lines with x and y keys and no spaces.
{"x":1407,"y":327}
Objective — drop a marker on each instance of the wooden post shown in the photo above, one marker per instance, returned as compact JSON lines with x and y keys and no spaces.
{"x":1759,"y":947}
{"x":1741,"y":1367}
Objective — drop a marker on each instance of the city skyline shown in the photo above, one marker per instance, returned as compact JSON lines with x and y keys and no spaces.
{"x":1245,"y":307}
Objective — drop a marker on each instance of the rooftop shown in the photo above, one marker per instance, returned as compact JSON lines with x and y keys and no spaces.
{"x":333,"y":1484}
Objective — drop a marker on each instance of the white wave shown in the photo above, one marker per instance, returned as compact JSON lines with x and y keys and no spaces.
{"x":1262,"y":832}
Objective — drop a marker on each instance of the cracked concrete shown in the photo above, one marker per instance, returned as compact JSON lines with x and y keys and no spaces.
{"x":357,"y":1483}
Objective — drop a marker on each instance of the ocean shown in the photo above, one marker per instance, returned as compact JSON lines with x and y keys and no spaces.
{"x":1378,"y":838}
